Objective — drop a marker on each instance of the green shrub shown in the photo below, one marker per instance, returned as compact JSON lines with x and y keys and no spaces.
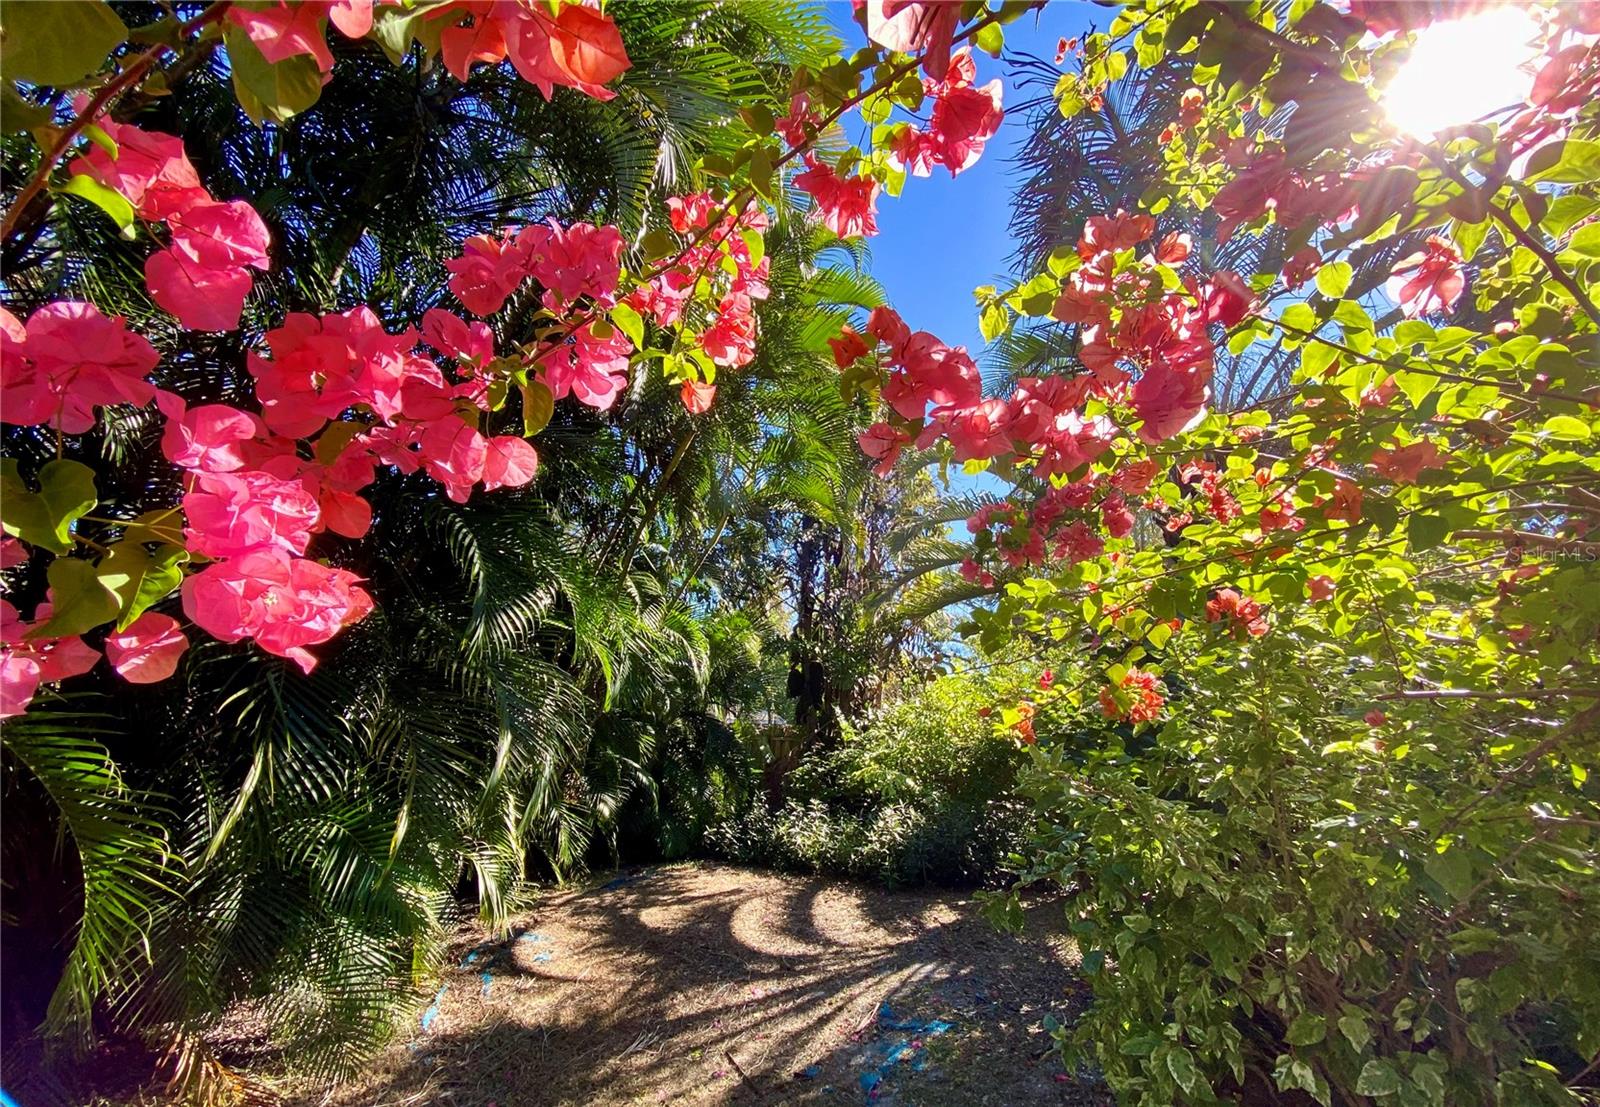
{"x":1272,"y":894}
{"x":919,"y":792}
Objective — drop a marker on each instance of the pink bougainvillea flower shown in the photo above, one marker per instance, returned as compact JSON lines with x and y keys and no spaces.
{"x":454,"y":454}
{"x":511,"y":462}
{"x":730,"y":340}
{"x":231,"y":514}
{"x":885,"y":324}
{"x":931,"y":373}
{"x":202,"y":299}
{"x":454,"y":337}
{"x":592,"y":368}
{"x":1174,"y":249}
{"x":1136,"y":698}
{"x":1346,"y":502}
{"x":284,"y":603}
{"x":1375,"y":718}
{"x":26,"y":663}
{"x":148,"y":651}
{"x":847,"y":347}
{"x":203,"y":276}
{"x":1168,"y":401}
{"x":487,"y":272}
{"x":977,"y":432}
{"x":580,"y":260}
{"x":12,"y":553}
{"x":1404,"y":464}
{"x":1241,"y":612}
{"x":847,"y":206}
{"x":321,"y":365}
{"x":149,"y":169}
{"x":697,"y":396}
{"x":883,"y":444}
{"x":67,"y":361}
{"x":19,"y":682}
{"x":962,"y":120}
{"x":1120,"y":231}
{"x":1226,"y":299}
{"x":1115,"y":516}
{"x":1301,"y":266}
{"x":207,"y":438}
{"x":1429,"y":281}
{"x":579,"y":48}
{"x":284,"y":30}
{"x":907,"y":26}
{"x":220,"y":235}
{"x":1321,"y":588}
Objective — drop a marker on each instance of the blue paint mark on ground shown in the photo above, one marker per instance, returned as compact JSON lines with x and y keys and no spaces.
{"x":626,"y":878}
{"x":905,"y":1046}
{"x":542,"y":956}
{"x":488,"y":982}
{"x":432,"y":1012}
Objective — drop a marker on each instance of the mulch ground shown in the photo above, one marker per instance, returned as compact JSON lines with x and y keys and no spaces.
{"x":702,"y":984}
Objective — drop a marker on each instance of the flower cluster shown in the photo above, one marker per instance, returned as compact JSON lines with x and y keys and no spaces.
{"x":574,"y":46}
{"x":1136,"y":698}
{"x":963,"y":118}
{"x":28,"y":660}
{"x":68,"y":360}
{"x":847,"y":206}
{"x":718,"y":261}
{"x":1148,"y":345}
{"x":202,"y":276}
{"x":1239,"y":613}
{"x":567,"y":262}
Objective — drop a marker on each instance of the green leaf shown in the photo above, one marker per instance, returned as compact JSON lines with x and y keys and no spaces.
{"x":108,"y":200}
{"x":139,"y":579}
{"x":270,"y":90}
{"x":45,"y":518}
{"x":629,"y":322}
{"x":1180,"y":1063}
{"x":1416,"y":386}
{"x":58,"y":43}
{"x":1572,"y":161}
{"x":1567,"y":428}
{"x":79,"y":601}
{"x":18,"y":115}
{"x":1586,"y":241}
{"x":1334,"y":278}
{"x":1425,"y":530}
{"x":991,"y":40}
{"x":393,"y":28}
{"x":1378,"y":1078}
{"x":538,"y":405}
{"x":1308,"y":1029}
{"x":1355,"y":1030}
{"x":758,"y":117}
{"x":1452,"y":870}
{"x":761,"y":172}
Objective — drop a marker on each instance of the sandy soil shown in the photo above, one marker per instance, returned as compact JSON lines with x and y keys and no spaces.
{"x":708,"y":984}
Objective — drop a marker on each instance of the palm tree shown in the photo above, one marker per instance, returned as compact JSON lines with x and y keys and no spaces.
{"x":244,"y":834}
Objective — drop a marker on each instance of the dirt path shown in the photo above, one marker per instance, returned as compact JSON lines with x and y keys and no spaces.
{"x":711,"y":984}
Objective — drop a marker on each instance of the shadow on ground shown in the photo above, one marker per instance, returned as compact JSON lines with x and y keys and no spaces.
{"x":712,"y":984}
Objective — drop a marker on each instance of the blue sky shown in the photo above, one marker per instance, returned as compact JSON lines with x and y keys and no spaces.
{"x":941,"y":238}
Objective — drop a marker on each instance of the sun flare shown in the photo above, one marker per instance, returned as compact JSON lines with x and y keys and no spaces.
{"x":1463,"y":69}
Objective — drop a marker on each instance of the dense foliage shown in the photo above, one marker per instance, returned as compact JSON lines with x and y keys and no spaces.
{"x":918,"y":792}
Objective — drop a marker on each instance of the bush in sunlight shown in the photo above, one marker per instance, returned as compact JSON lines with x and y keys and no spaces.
{"x":918,"y":792}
